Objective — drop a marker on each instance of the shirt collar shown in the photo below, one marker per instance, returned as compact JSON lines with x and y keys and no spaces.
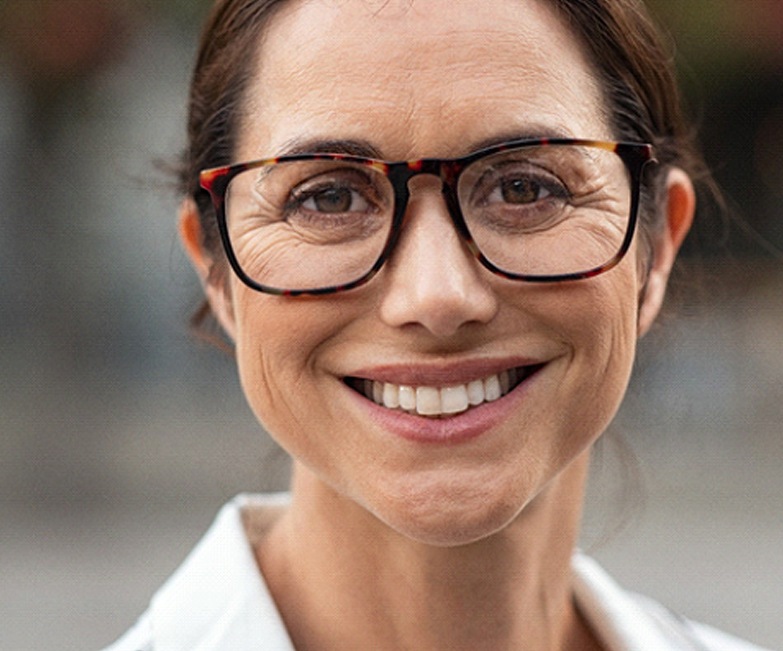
{"x":624,"y":621}
{"x":218,"y":599}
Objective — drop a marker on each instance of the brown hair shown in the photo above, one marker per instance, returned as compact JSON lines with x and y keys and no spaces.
{"x":635,"y":69}
{"x":226,"y":54}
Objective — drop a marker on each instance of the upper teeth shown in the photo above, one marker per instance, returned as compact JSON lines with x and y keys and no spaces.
{"x":439,"y":401}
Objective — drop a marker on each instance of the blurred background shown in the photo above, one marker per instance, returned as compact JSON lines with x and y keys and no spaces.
{"x":120,"y":435}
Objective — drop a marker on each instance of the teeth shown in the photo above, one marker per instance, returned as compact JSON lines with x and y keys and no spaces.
{"x":439,"y":401}
{"x":391,"y":396}
{"x":505,"y":382}
{"x":428,"y":401}
{"x":377,"y":392}
{"x":492,"y":388}
{"x":476,"y":392}
{"x":454,"y":400}
{"x":408,"y":398}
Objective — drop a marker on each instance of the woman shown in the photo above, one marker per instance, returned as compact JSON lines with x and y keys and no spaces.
{"x":438,"y":343}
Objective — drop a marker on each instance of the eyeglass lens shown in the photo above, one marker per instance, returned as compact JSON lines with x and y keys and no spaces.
{"x":546,"y":210}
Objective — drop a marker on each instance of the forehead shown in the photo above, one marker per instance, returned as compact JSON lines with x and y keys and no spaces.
{"x":418,"y":77}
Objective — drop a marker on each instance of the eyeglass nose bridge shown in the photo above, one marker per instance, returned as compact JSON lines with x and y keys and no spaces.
{"x":448,"y":171}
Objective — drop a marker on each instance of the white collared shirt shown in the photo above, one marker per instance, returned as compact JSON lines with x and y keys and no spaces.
{"x":218,"y":601}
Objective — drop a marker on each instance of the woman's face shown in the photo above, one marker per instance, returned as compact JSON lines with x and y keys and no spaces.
{"x":431,"y":78}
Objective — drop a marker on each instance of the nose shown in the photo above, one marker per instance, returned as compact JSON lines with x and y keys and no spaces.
{"x":432,"y":280}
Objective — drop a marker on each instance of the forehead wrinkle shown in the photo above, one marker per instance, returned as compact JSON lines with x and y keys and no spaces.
{"x":427,"y":87}
{"x":438,"y":55}
{"x":378,"y":34}
{"x":536,"y":80}
{"x":405,"y":89}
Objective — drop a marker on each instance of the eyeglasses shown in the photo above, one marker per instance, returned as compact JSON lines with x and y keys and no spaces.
{"x":541,"y":210}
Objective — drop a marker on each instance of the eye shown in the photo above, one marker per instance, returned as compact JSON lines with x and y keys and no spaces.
{"x":518,"y":191}
{"x":514,"y":196}
{"x":515,"y":183}
{"x":323,"y":190}
{"x":334,"y":199}
{"x":337,"y":203}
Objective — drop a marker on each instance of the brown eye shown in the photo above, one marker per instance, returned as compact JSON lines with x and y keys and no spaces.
{"x":334,"y":200}
{"x":521,"y":191}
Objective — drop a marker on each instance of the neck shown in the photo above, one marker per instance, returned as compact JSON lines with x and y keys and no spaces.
{"x":342,"y":579}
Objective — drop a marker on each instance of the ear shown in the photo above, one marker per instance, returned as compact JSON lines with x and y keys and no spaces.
{"x":679,"y":209}
{"x":216,"y":290}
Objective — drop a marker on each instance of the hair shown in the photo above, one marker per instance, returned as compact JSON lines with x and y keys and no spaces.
{"x":634,"y":64}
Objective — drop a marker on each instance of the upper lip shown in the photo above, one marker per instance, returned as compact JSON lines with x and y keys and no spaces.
{"x":444,"y":374}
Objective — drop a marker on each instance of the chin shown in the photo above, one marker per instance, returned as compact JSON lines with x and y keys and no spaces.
{"x":451,"y":517}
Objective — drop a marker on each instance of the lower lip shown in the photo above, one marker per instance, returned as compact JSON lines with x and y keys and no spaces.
{"x":460,"y":428}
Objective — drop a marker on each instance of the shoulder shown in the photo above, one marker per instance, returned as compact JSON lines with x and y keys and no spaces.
{"x":624,"y":620}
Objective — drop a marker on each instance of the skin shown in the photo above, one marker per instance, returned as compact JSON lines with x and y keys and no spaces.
{"x":390,"y":543}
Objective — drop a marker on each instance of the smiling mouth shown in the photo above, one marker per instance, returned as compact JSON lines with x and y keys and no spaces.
{"x":445,"y":401}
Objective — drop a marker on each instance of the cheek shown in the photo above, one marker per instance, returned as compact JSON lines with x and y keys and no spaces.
{"x":605,"y":342}
{"x":277,"y":348}
{"x":595,"y":322}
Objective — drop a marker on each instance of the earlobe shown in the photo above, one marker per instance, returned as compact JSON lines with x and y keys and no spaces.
{"x":216,"y":290}
{"x":679,"y":211}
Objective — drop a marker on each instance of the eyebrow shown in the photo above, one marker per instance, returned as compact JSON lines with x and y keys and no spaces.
{"x":349,"y":147}
{"x":365,"y":149}
{"x":530,"y":133}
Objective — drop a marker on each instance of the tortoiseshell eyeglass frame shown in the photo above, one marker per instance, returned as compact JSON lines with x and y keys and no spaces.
{"x":635,"y":156}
